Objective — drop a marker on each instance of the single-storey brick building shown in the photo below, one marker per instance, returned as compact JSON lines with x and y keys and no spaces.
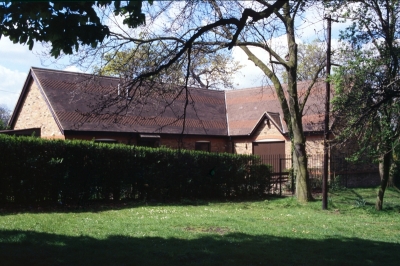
{"x":68,"y":105}
{"x":65,"y":105}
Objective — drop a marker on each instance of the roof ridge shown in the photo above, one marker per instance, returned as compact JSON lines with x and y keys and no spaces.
{"x":71,"y":72}
{"x":113,"y":78}
{"x":270,"y":85}
{"x":204,"y":89}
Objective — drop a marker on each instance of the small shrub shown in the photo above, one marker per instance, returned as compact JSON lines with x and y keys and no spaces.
{"x":291,"y":182}
{"x":360,"y":202}
{"x":337,"y":184}
{"x":316,"y":183}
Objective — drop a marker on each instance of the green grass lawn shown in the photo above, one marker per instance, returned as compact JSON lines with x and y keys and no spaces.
{"x":277,"y":231}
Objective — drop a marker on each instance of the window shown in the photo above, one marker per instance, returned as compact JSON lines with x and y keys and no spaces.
{"x":152,"y":141}
{"x":202,"y":146}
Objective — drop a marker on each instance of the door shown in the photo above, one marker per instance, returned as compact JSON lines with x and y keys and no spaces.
{"x":272,"y":153}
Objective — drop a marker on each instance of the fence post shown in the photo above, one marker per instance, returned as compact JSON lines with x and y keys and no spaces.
{"x":292,"y":177}
{"x":346,"y":170}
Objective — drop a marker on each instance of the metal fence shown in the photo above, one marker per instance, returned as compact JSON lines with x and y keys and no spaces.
{"x":342,"y":172}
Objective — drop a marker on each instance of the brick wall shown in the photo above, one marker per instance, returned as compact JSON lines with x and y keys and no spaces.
{"x":314,"y":144}
{"x":120,"y":137}
{"x":263,"y":132}
{"x":36,"y":113}
{"x":243,"y":146}
{"x":216,"y":144}
{"x":170,"y":141}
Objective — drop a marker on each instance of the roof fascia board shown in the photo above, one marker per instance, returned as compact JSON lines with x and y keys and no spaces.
{"x":21,"y":97}
{"x":137,"y":133}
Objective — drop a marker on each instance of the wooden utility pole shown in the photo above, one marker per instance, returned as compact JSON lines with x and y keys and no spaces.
{"x":326,"y":124}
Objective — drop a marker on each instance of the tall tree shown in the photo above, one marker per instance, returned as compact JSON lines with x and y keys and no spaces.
{"x":216,"y":25}
{"x":4,"y":117}
{"x":291,"y":105}
{"x":367,"y":84}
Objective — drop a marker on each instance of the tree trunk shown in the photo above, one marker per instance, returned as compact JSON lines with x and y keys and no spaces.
{"x":384,"y":169}
{"x":303,"y":190}
{"x":394,"y":176}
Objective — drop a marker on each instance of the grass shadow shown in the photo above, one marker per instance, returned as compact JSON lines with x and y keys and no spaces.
{"x":99,"y":206}
{"x":340,"y":198}
{"x":365,"y":197}
{"x":36,"y":248}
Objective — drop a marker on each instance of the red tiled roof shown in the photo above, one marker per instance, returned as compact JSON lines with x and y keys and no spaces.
{"x":73,"y":97}
{"x":248,"y":105}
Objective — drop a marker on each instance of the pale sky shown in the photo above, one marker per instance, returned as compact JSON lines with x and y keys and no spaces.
{"x":16,"y":60}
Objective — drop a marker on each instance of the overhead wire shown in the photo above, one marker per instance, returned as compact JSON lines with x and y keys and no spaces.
{"x":10,"y":91}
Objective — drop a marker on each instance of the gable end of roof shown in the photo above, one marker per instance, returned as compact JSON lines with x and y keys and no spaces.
{"x":30,"y":79}
{"x":46,"y":100}
{"x":269,"y":116}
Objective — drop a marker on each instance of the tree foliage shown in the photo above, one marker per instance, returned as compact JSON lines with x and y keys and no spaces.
{"x":312,"y":61}
{"x":66,"y":25}
{"x":367,"y":85}
{"x":207,"y":70}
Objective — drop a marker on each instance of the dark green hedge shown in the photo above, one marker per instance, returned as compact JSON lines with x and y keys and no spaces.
{"x":37,"y":170}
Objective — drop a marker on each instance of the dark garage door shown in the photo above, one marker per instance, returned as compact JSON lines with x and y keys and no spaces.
{"x":270,"y":153}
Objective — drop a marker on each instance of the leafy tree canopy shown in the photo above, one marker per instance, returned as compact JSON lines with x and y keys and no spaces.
{"x":208,"y":70}
{"x":4,"y":117}
{"x":312,"y":61}
{"x":66,"y":25}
